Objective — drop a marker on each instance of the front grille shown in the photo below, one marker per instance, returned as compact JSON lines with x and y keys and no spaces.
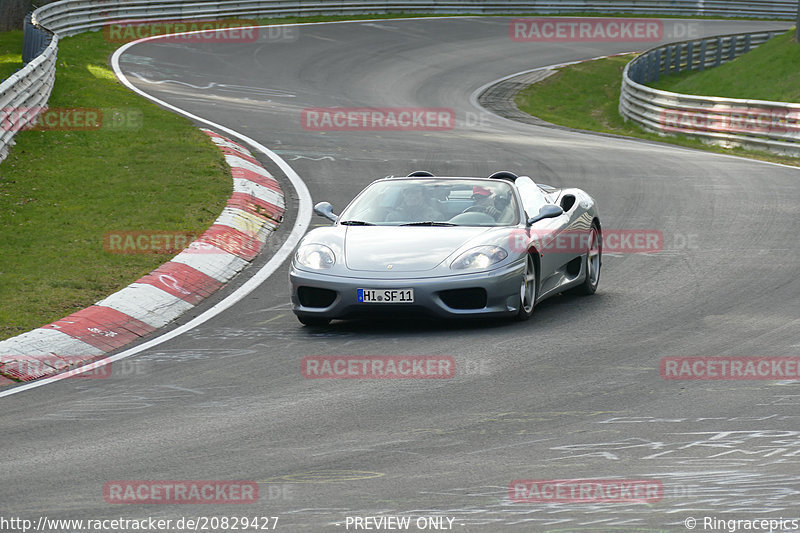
{"x":474,"y":298}
{"x":315,"y":297}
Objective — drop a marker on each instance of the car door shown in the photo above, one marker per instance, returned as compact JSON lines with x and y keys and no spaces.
{"x":550,"y":236}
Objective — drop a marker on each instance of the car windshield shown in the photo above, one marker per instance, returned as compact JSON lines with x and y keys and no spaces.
{"x":434,"y":202}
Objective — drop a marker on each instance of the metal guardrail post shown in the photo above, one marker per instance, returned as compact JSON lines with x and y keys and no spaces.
{"x":703,"y":49}
{"x":670,"y":58}
{"x":676,"y":66}
{"x":659,"y":56}
{"x":797,"y":25}
{"x":655,"y":60}
{"x":690,"y":55}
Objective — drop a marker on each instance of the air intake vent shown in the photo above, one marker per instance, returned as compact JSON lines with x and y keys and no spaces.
{"x":315,"y":297}
{"x":464,"y":298}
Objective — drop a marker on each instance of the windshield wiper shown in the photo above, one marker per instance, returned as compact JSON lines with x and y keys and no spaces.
{"x":429,"y":223}
{"x":356,"y":223}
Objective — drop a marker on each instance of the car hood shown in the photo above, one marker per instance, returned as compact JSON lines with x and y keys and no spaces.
{"x":403,"y":248}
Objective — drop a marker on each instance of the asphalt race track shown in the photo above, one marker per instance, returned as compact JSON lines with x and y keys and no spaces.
{"x":575,"y":393}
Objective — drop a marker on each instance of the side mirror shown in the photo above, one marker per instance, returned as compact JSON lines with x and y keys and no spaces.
{"x":548,"y":211}
{"x":325,"y":209}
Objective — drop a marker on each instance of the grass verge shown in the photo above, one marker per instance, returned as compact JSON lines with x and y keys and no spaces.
{"x":586,"y":96}
{"x":61,"y":190}
{"x":10,"y":53}
{"x":769,"y":72}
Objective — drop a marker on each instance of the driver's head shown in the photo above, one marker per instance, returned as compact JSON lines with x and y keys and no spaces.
{"x":413,"y":195}
{"x":481,"y":195}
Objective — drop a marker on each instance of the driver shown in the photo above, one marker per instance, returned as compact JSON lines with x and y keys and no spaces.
{"x":413,"y":207}
{"x":484,"y":202}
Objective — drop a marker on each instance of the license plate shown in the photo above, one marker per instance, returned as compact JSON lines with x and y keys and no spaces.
{"x":385,"y":296}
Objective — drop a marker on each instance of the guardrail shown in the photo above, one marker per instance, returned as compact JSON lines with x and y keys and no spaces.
{"x":758,"y":124}
{"x":25,"y":93}
{"x":75,"y":16}
{"x":30,"y":87}
{"x":698,"y":54}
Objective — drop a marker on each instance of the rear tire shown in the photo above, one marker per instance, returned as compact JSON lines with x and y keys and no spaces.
{"x":528,"y":290}
{"x":594,"y":256}
{"x":314,"y":321}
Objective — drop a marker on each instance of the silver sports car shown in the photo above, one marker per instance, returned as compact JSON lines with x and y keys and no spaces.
{"x":447,"y":247}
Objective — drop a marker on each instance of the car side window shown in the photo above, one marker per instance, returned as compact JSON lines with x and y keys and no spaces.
{"x":533,"y":198}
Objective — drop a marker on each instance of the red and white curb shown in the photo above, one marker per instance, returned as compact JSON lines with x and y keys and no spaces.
{"x":253,"y":212}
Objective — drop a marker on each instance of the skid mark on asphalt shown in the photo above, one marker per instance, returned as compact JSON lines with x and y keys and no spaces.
{"x":281,"y":315}
{"x":222,"y":87}
{"x":711,"y":471}
{"x":280,"y":307}
{"x":197,"y":354}
{"x":323,"y":476}
{"x":213,"y":409}
{"x":321,"y":158}
{"x":294,"y":332}
{"x":788,"y":399}
{"x":124,"y":398}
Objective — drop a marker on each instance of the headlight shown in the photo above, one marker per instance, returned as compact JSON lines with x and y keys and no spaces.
{"x":315,"y":256}
{"x":479,"y":258}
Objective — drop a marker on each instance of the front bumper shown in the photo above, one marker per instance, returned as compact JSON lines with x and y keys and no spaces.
{"x":501,"y":286}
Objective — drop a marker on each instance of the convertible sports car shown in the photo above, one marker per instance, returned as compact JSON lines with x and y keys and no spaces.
{"x":447,"y":247}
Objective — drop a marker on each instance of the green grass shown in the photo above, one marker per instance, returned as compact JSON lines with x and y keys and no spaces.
{"x":10,"y":53}
{"x":582,"y":96}
{"x":769,"y":72}
{"x":586,"y":96}
{"x":61,"y":191}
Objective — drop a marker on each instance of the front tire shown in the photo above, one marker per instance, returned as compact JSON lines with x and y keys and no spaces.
{"x":528,"y":290}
